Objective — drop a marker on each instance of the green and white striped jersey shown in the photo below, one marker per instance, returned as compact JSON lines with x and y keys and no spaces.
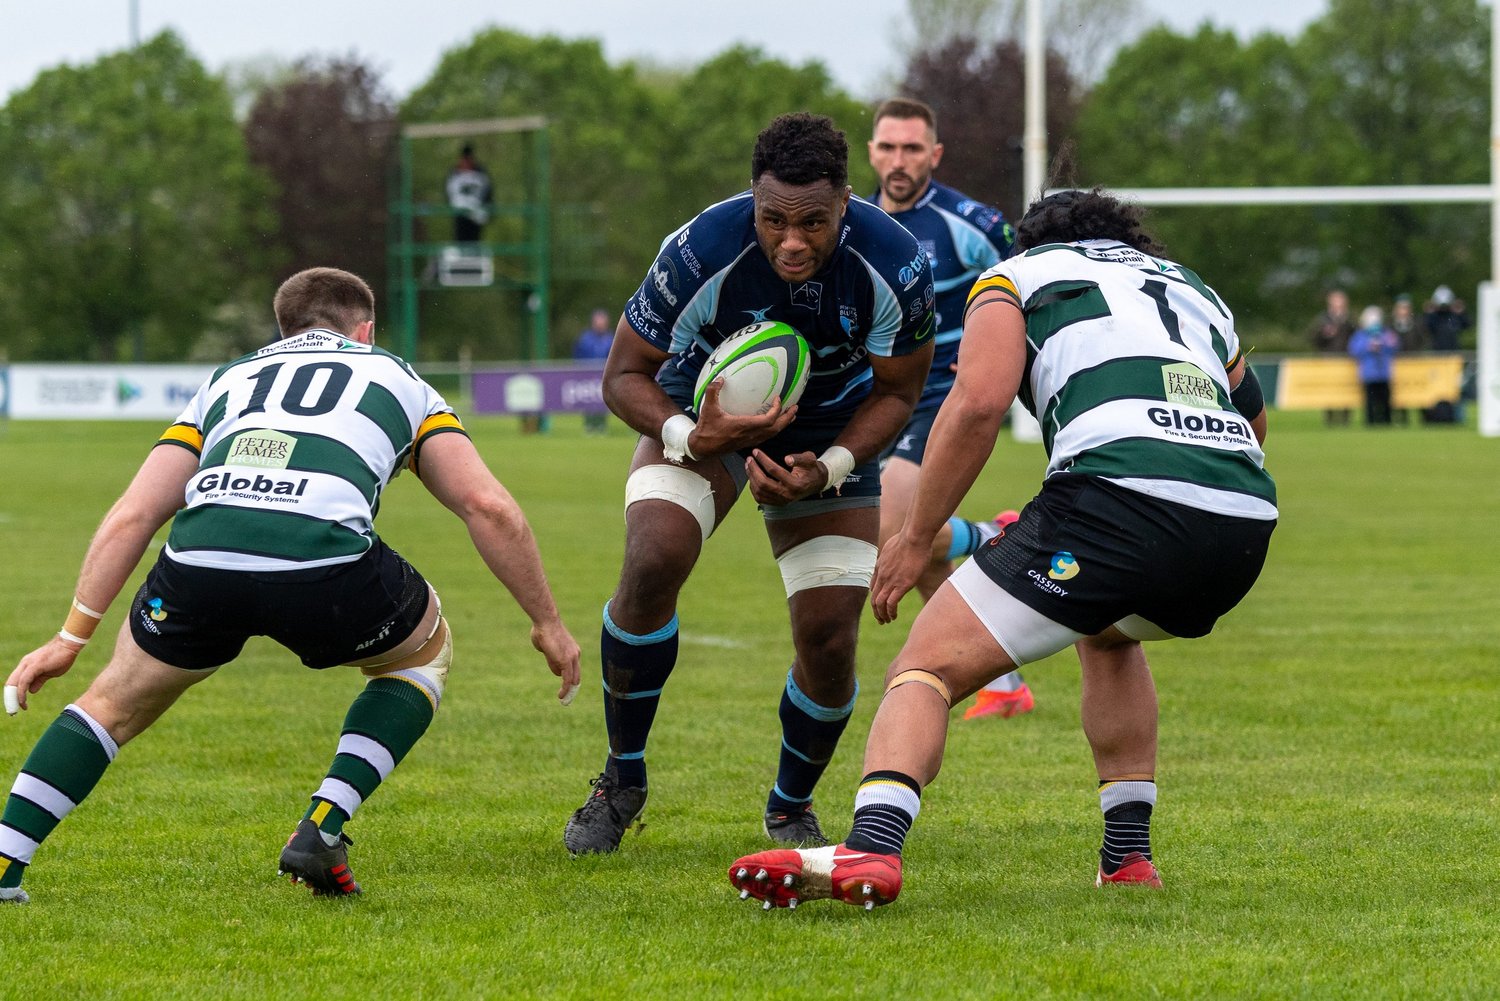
{"x":295,"y":444}
{"x":1126,"y":371}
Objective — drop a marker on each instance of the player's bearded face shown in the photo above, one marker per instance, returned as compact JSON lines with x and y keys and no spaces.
{"x":798,"y":225}
{"x":903,"y":152}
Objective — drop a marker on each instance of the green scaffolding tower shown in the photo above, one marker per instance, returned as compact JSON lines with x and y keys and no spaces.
{"x":407,"y":259}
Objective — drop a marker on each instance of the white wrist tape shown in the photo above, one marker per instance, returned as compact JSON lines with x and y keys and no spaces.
{"x":674,"y":438}
{"x":840,"y":463}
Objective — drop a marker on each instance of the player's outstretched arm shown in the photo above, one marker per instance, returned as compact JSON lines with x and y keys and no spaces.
{"x":455,"y":474}
{"x":118,"y":545}
{"x":992,"y":356}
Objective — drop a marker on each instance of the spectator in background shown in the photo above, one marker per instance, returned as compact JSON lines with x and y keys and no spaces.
{"x":593,"y":345}
{"x":1330,"y":335}
{"x":1373,"y":346}
{"x":1411,"y":334}
{"x":471,"y":196}
{"x":1446,"y":320}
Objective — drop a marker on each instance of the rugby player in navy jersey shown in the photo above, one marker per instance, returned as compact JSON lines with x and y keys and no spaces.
{"x":962,"y":239}
{"x":795,"y":248}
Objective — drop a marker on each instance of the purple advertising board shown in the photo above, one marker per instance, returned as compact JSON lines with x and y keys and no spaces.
{"x":540,"y":389}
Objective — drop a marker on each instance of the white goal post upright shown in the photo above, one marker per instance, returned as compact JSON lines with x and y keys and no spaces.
{"x":1488,"y":310}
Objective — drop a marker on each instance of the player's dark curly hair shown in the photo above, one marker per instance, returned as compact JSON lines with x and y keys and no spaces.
{"x":800,"y":148}
{"x":1067,"y":216}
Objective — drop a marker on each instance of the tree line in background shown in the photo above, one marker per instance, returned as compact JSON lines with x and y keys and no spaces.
{"x":143,"y":216}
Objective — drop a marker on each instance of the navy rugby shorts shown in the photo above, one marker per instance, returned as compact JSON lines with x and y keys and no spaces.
{"x":199,"y":618}
{"x":1088,"y":553}
{"x":911,"y":443}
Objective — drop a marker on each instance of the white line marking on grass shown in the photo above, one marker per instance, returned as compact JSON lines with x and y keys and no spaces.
{"x":723,"y":642}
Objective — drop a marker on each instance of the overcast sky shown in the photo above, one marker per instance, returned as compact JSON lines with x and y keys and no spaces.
{"x":405,"y":40}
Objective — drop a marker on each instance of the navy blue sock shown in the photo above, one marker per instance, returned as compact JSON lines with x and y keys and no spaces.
{"x":809,"y":735}
{"x":635,"y":670}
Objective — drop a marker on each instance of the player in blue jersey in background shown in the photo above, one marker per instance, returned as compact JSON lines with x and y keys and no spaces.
{"x":795,"y":248}
{"x":963,"y":238}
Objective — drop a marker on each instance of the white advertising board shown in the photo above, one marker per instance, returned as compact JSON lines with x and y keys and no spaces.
{"x":1487,"y":383}
{"x":102,"y":392}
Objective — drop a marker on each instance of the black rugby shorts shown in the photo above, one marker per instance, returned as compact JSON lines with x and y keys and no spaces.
{"x":199,"y":618}
{"x":1088,"y":553}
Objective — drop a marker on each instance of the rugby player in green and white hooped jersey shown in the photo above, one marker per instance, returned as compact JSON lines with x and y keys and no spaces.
{"x":290,"y":477}
{"x":274,"y":473}
{"x":1153,"y":521}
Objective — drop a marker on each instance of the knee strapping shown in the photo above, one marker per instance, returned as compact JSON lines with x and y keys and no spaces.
{"x":423,"y":668}
{"x":922,"y":678}
{"x":675,"y":485}
{"x":827,"y":561}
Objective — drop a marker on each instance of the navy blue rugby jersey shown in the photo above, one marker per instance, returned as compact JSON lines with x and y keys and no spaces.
{"x":963,"y":239}
{"x":873,"y":297}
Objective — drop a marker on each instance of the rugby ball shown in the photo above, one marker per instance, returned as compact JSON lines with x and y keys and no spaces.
{"x":757,"y":363}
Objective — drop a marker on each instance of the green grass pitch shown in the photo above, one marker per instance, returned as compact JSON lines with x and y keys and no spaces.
{"x":1329,"y":760}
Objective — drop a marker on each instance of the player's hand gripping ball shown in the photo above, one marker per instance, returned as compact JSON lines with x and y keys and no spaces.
{"x":758,"y":363}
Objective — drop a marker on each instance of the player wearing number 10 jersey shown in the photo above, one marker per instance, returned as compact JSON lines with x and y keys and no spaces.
{"x":274,"y":474}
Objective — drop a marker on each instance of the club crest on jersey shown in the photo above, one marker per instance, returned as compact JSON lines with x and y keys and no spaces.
{"x":848,"y":318}
{"x":266,"y":449}
{"x":1186,"y":383}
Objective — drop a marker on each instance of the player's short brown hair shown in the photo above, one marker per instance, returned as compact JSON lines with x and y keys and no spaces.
{"x":323,"y":297}
{"x":905,"y":107}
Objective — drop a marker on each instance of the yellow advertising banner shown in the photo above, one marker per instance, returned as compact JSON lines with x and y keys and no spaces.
{"x":1417,"y":382}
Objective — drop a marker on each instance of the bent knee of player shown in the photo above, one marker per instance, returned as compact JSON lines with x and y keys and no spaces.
{"x":935,"y":680}
{"x":426,"y":667}
{"x":680,"y":491}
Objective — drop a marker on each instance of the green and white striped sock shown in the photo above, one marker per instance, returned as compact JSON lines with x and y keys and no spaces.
{"x":64,"y":766}
{"x":382,"y":725}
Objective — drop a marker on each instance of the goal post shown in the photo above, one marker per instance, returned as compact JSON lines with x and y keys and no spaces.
{"x":1488,"y":321}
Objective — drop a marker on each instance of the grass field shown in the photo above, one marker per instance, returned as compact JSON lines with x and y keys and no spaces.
{"x":1329,"y":760}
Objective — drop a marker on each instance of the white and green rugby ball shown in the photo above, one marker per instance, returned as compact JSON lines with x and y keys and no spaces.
{"x":757,"y":363}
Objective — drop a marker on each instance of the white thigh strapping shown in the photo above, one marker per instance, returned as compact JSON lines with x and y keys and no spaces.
{"x":1024,"y":633}
{"x":676,"y":485}
{"x":827,"y":561}
{"x":1141,"y":630}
